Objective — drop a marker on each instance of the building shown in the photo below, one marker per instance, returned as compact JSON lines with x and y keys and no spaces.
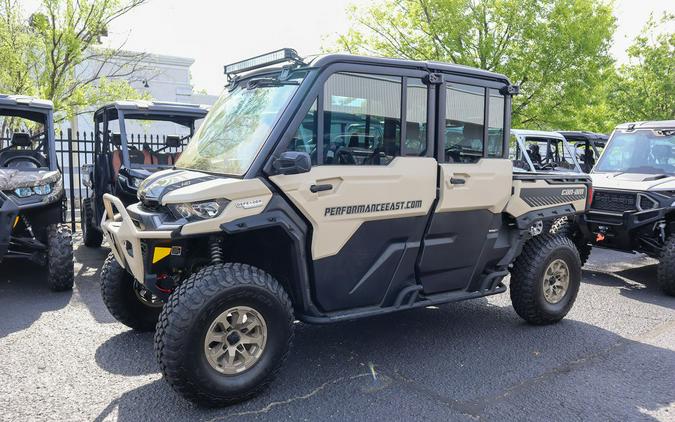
{"x":165,"y":78}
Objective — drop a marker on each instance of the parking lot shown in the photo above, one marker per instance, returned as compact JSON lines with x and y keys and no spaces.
{"x":63,"y":357}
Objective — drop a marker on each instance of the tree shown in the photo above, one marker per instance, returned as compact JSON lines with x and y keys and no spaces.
{"x":556,"y":50}
{"x":644,"y":87}
{"x":56,"y":53}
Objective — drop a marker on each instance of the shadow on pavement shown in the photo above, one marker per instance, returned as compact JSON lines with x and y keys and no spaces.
{"x":129,"y":353}
{"x":637,"y":283}
{"x":465,"y":360}
{"x":24,"y":296}
{"x":87,"y":279}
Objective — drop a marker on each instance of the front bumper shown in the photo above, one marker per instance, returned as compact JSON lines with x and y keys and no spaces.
{"x":621,"y":230}
{"x":128,"y":243}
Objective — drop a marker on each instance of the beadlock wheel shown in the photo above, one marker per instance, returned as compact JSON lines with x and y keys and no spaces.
{"x":556,"y":281}
{"x":235,"y":340}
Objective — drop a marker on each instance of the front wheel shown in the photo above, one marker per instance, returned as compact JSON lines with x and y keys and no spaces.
{"x":60,"y":271}
{"x":224,"y":334}
{"x":545,"y":279}
{"x":134,"y":307}
{"x":665,"y":271}
{"x":91,"y":236}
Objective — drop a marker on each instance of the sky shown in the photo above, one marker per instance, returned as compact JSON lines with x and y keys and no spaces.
{"x":217,"y":32}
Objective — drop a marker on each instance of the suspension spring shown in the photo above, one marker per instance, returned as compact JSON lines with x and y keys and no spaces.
{"x":215,"y":251}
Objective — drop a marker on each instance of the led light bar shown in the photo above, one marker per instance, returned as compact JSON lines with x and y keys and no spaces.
{"x":275,"y":57}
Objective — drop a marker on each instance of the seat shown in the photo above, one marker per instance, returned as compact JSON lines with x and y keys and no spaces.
{"x":22,"y":140}
{"x":135,"y":156}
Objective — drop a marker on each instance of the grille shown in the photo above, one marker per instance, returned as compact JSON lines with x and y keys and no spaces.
{"x":614,"y":201}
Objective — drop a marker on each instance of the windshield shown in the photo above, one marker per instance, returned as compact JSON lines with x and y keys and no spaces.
{"x":641,"y":151}
{"x":238,"y":125}
{"x":23,"y":140}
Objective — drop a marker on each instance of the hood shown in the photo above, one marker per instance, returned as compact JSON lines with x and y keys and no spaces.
{"x":633,"y":181}
{"x":186,"y":186}
{"x":11,"y":179}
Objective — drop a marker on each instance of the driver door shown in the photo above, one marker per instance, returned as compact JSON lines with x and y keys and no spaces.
{"x":371,"y":186}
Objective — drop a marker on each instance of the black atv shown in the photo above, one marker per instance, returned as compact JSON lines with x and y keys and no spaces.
{"x":122,"y":160}
{"x":32,"y":199}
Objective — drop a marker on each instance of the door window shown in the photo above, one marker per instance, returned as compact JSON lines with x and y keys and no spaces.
{"x":362,"y":119}
{"x":416,"y":118}
{"x":495,"y":146}
{"x":464,"y":123}
{"x":305,"y":137}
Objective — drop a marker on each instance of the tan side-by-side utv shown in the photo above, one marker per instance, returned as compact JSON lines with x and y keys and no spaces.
{"x":329,"y":190}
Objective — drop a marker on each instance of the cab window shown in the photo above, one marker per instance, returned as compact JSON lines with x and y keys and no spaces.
{"x":464,"y":123}
{"x":416,"y":118}
{"x":495,"y":145}
{"x":362,"y":119}
{"x":305,"y":137}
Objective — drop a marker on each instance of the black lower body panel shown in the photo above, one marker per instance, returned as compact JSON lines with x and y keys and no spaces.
{"x":458,"y":246}
{"x":372,"y":267}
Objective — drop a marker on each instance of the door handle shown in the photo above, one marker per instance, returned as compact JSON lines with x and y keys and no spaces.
{"x":320,"y":188}
{"x":457,"y":181}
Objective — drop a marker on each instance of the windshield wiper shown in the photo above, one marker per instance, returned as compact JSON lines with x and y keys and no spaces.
{"x":268,"y":82}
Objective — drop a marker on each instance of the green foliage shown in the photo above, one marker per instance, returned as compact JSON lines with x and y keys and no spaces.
{"x":643,"y":89}
{"x":556,"y":50}
{"x":45,"y":54}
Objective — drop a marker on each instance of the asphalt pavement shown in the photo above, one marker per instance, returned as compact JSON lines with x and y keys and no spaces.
{"x":63,"y":357}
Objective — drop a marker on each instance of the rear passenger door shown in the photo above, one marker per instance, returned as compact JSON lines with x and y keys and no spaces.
{"x":474,"y":185}
{"x":372,"y":184}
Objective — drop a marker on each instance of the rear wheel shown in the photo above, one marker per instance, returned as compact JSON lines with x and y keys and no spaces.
{"x":91,"y":236}
{"x":545,"y":279}
{"x":665,"y":271}
{"x":126,"y":301}
{"x":224,"y":334}
{"x":60,"y":271}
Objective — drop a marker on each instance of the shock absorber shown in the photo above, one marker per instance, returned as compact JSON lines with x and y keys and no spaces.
{"x":215,"y":251}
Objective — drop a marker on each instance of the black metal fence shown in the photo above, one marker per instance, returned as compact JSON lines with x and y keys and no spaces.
{"x":75,"y":149}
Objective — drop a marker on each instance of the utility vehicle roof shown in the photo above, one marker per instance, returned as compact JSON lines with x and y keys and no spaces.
{"x":143,"y":106}
{"x":537,"y":133}
{"x":328,"y":59}
{"x":653,"y":124}
{"x":572,"y":135}
{"x":23,"y":101}
{"x":325,"y":60}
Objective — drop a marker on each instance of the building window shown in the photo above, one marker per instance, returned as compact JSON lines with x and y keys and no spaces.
{"x":464,"y":123}
{"x":362,"y":119}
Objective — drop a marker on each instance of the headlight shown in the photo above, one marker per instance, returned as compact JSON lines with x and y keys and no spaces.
{"x":23,"y":192}
{"x":198,"y":210}
{"x":135,"y":182}
{"x":130,"y":181}
{"x":37,"y":190}
{"x":43,"y":190}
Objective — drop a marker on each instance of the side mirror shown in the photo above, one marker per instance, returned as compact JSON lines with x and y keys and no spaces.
{"x":172,"y":141}
{"x":87,"y":175}
{"x":293,"y":162}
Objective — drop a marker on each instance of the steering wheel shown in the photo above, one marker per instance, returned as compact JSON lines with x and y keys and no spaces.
{"x":344,"y":156}
{"x":22,"y":159}
{"x":548,"y":166}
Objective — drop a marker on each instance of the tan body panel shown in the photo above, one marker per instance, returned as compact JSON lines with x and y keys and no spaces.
{"x":518,"y":206}
{"x":404,"y":180}
{"x":248,"y":197}
{"x":487,"y":185}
